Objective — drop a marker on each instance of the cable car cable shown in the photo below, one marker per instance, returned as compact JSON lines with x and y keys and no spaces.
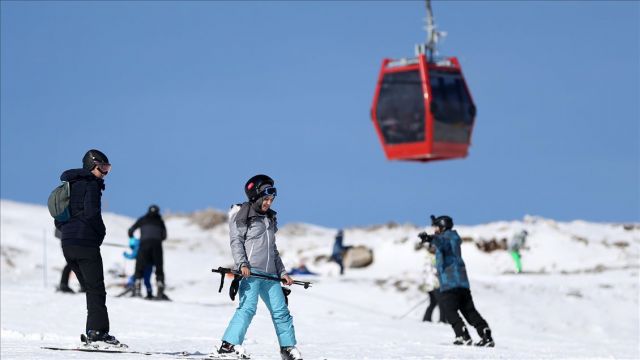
{"x":433,"y":36}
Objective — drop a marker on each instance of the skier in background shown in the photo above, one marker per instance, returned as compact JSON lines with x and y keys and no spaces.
{"x":301,"y":270}
{"x":152,"y":233}
{"x":82,"y":236}
{"x":432,"y":285}
{"x":134,"y":244}
{"x":516,"y":243}
{"x":252,"y":229}
{"x":455,"y":294}
{"x":338,"y":250}
{"x":66,"y":273}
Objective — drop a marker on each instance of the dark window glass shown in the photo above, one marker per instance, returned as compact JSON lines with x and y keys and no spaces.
{"x":400,"y":110}
{"x":451,"y":107}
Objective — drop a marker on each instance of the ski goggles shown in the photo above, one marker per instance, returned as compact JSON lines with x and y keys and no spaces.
{"x":103,"y":167}
{"x":270,"y":191}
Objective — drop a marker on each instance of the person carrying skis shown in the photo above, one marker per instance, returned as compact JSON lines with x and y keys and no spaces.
{"x":516,"y":243}
{"x":82,"y":236}
{"x":252,"y":230}
{"x":455,"y":293}
{"x":152,"y":233}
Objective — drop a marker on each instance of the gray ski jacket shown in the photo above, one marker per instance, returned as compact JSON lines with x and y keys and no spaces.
{"x":253,"y":239}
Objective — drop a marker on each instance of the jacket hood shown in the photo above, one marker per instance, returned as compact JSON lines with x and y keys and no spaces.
{"x":81,"y":174}
{"x":76,"y":174}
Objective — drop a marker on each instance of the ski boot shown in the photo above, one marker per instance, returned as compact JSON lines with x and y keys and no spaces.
{"x":161,"y":295}
{"x":137,"y":289}
{"x":101,"y":340}
{"x":464,"y":338}
{"x":290,"y":353}
{"x":229,"y":351}
{"x":486,"y":340}
{"x":64,"y":288}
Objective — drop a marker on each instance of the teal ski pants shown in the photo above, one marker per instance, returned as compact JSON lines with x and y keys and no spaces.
{"x":271,"y":294}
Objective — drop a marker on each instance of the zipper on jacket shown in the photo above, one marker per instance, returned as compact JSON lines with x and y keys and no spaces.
{"x":251,"y":252}
{"x":266,"y":223}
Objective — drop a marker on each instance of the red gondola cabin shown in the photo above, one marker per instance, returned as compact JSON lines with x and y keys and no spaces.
{"x":423,"y":111}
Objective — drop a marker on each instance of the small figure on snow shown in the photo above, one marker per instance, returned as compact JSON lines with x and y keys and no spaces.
{"x":134,"y":244}
{"x":455,"y":293}
{"x":253,"y":228}
{"x":339,"y":249}
{"x":301,"y":270}
{"x":516,"y":243}
{"x":82,"y":236}
{"x":152,"y":233}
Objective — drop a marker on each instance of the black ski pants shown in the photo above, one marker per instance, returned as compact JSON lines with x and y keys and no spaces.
{"x":66,"y":273}
{"x":87,"y":262}
{"x":434,"y":299}
{"x":150,"y":253}
{"x":459,"y":299}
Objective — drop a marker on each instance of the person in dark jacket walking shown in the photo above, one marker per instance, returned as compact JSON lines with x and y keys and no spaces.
{"x":455,"y":294}
{"x":338,"y":250}
{"x":82,"y":236}
{"x":152,"y":234}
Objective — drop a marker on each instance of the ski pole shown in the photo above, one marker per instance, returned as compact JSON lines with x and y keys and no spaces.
{"x":223,"y":271}
{"x":114,"y":245}
{"x":413,"y":308}
{"x":306,"y":284}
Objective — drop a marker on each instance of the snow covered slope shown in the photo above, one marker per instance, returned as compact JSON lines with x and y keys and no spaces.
{"x":578,"y":297}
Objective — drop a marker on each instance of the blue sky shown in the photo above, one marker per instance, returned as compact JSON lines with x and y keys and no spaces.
{"x":189,"y":99}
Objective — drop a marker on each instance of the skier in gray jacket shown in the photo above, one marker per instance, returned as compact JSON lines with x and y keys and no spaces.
{"x":252,"y":229}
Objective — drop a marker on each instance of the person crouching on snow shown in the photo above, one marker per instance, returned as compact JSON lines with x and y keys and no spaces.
{"x":454,"y":284}
{"x":253,"y":245}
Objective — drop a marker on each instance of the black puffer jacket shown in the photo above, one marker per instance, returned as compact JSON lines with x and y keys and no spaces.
{"x":85,"y":228}
{"x":151,"y":227}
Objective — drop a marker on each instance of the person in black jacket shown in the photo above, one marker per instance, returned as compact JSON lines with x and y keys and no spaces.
{"x":82,"y":236}
{"x":152,"y":233}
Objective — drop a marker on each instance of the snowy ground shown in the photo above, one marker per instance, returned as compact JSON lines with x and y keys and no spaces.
{"x":578,"y":299}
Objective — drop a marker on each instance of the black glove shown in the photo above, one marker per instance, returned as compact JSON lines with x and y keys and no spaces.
{"x":425,"y":238}
{"x":286,"y":292}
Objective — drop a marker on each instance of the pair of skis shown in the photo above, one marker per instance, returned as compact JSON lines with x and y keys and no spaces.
{"x":129,"y":290}
{"x":100,"y":347}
